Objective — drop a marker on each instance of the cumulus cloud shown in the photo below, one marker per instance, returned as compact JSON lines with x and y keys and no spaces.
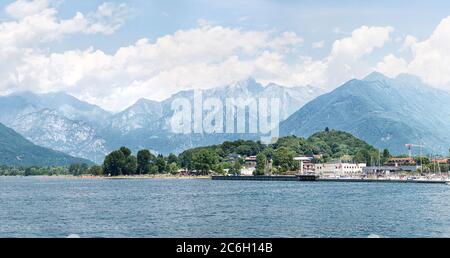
{"x":362,"y":41}
{"x":108,"y":18}
{"x":347,"y":54}
{"x":392,"y":66}
{"x":23,"y":8}
{"x":39,"y":23}
{"x":35,"y":23}
{"x":409,"y":41}
{"x":319,"y":44}
{"x":431,"y":57}
{"x":206,"y":56}
{"x":202,"y":57}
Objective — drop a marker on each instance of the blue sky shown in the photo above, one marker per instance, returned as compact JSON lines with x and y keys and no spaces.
{"x":313,"y":20}
{"x":323,"y":43}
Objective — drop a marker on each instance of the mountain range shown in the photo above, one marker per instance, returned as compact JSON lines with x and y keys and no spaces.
{"x":16,"y":150}
{"x":146,"y":124}
{"x":64,"y":123}
{"x":385,"y":112}
{"x":57,"y":121}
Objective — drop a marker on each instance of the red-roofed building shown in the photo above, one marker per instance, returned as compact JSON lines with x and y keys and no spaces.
{"x":397,"y":162}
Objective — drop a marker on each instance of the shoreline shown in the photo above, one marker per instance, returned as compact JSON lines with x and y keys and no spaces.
{"x":336,"y":180}
{"x":238,"y":178}
{"x":143,"y":177}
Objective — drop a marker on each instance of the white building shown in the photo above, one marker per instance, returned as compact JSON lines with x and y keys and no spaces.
{"x":248,"y":171}
{"x":305,"y":164}
{"x":339,"y":169}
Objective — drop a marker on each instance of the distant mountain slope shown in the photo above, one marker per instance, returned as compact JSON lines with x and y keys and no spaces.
{"x":64,"y":123}
{"x":57,"y":121}
{"x":48,"y":129}
{"x":16,"y":150}
{"x":62,"y":103}
{"x":143,"y":114}
{"x":387,"y":113}
{"x":146,"y":124}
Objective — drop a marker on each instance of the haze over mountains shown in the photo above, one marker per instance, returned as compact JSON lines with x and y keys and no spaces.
{"x":64,"y":123}
{"x":57,"y":121}
{"x":385,"y":112}
{"x":16,"y":150}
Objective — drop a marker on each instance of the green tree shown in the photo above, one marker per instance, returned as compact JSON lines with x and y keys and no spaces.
{"x":144,"y":158}
{"x":261,"y":162}
{"x":153,"y":169}
{"x":130,"y":165}
{"x":28,"y":172}
{"x":386,"y":156}
{"x":78,"y":169}
{"x":363,"y":156}
{"x":425,"y":161}
{"x":126,"y":152}
{"x":204,"y":160}
{"x":236,"y":167}
{"x":173,"y":168}
{"x":96,"y":171}
{"x":74,"y":169}
{"x":84,"y":168}
{"x":284,"y":159}
{"x":120,"y":162}
{"x":161,"y":164}
{"x":113,"y":163}
{"x":172,"y":158}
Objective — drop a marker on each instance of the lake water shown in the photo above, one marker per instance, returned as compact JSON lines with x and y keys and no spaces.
{"x":52,"y":207}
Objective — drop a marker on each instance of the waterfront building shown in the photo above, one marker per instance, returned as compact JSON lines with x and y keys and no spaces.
{"x":339,"y":169}
{"x":329,"y":169}
{"x":441,"y":161}
{"x":250,"y":161}
{"x":306,"y":165}
{"x":233,"y":156}
{"x":380,"y":170}
{"x":386,"y":170}
{"x":397,"y":162}
{"x":248,"y":171}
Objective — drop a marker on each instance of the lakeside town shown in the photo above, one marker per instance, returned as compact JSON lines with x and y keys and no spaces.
{"x":396,"y":168}
{"x":328,"y":155}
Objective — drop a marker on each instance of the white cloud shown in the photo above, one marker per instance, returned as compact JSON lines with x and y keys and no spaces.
{"x":408,"y":43}
{"x":392,"y":66}
{"x":23,"y":8}
{"x":431,"y":57}
{"x":319,"y":44}
{"x":202,"y":57}
{"x":35,"y":24}
{"x":362,"y":41}
{"x":108,"y":18}
{"x":43,"y":25}
{"x":205,"y":23}
{"x":346,"y":59}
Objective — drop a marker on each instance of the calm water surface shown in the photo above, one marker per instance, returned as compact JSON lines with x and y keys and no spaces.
{"x":52,"y":207}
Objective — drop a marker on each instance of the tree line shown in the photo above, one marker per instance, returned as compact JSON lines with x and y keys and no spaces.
{"x":228,"y":157}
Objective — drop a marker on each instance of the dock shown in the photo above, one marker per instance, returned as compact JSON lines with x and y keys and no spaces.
{"x":312,"y":178}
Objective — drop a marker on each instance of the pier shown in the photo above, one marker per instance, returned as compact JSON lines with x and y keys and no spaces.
{"x":309,"y":178}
